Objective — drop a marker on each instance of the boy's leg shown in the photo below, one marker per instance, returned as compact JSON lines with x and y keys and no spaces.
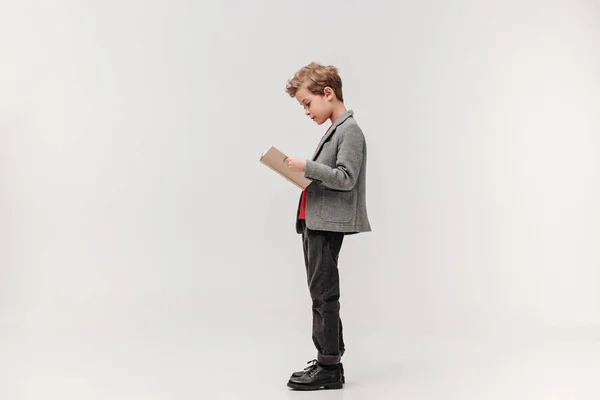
{"x":321,"y":251}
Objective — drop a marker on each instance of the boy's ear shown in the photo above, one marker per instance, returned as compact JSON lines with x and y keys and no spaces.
{"x":328,"y":92}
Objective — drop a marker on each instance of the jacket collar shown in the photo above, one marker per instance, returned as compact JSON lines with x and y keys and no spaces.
{"x":331,"y":130}
{"x":347,"y":114}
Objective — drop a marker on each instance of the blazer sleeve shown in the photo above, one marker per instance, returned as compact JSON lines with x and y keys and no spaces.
{"x":348,"y":162}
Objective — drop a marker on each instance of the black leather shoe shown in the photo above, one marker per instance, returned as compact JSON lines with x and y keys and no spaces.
{"x":312,"y":365}
{"x":317,"y":377}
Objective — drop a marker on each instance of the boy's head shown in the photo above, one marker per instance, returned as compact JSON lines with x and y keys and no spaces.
{"x":318,"y":89}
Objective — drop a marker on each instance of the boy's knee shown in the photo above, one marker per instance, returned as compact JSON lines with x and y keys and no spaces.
{"x":330,"y":304}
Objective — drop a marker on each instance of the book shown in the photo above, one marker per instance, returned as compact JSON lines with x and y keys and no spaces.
{"x":275,"y":159}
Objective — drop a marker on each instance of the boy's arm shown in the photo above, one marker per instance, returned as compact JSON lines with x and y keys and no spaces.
{"x":348,"y":163}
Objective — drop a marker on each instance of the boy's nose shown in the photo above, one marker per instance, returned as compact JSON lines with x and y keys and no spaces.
{"x":306,"y":112}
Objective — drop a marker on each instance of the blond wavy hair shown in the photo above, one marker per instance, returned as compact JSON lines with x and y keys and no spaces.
{"x":316,"y":77}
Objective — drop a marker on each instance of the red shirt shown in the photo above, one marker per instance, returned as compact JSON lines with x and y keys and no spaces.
{"x":302,"y":213}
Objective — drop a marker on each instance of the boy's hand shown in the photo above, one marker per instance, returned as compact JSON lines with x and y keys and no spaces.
{"x":295,"y":164}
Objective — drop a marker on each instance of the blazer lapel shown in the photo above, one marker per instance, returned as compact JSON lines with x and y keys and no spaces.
{"x":337,"y":123}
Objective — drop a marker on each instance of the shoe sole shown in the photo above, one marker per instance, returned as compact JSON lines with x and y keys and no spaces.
{"x":328,"y":386}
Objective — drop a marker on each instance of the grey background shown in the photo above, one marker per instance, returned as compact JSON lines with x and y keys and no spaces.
{"x":132,"y":199}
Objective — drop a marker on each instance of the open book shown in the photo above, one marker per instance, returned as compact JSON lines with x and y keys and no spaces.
{"x":274,"y":159}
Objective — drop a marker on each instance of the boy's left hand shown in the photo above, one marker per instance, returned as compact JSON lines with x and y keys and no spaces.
{"x":296,"y":164}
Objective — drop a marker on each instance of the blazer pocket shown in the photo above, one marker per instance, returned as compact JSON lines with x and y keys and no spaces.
{"x":337,"y":206}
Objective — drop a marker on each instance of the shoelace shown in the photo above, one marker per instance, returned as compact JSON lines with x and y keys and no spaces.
{"x":311,"y":368}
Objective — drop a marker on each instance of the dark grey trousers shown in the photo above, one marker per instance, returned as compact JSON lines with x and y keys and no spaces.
{"x":321,"y":251}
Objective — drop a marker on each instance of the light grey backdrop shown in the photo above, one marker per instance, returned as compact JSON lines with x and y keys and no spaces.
{"x":130,"y":187}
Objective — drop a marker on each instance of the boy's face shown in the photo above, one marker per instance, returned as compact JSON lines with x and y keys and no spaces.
{"x":318,"y":107}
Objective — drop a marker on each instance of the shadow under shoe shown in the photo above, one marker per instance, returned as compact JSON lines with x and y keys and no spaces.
{"x":317,"y":377}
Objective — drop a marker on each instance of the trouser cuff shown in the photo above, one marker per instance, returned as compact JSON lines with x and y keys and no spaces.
{"x":328,"y":359}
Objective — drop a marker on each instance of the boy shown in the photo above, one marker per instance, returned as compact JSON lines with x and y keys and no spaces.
{"x":332,"y":206}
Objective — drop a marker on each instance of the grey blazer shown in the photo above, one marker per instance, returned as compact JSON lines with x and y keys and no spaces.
{"x":336,"y":199}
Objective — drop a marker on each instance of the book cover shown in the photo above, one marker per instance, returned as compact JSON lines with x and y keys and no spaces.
{"x":274,"y":159}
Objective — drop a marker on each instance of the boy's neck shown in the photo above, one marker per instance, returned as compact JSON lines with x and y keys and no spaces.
{"x":337,"y":112}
